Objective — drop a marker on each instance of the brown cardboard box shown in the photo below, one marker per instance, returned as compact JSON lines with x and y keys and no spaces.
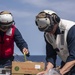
{"x":27,"y":67}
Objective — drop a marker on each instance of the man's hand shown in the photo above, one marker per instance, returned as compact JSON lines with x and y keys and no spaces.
{"x":52,"y":71}
{"x":25,"y":51}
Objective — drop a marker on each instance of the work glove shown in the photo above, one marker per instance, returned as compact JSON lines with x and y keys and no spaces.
{"x":51,"y":39}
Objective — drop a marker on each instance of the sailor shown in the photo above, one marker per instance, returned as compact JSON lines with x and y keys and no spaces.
{"x":59,"y":36}
{"x":8,"y":35}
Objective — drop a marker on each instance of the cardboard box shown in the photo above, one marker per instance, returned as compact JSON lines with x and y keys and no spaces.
{"x":27,"y":67}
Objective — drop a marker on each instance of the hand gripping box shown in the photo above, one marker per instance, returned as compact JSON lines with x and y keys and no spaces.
{"x":27,"y":67}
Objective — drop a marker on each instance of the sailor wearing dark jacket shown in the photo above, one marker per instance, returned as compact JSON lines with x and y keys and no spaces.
{"x":60,"y":40}
{"x":8,"y":35}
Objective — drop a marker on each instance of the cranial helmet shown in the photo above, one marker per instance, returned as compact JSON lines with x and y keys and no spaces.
{"x":6,"y":18}
{"x":46,"y":19}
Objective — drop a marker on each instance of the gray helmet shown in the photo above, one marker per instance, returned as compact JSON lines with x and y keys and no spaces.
{"x":46,"y":19}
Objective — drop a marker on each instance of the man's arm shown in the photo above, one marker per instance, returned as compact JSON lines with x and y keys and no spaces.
{"x":50,"y":58}
{"x":70,"y":62}
{"x":20,"y":42}
{"x":49,"y":66}
{"x":67,"y":67}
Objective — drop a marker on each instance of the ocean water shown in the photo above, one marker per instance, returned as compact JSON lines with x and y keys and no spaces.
{"x":35,"y":58}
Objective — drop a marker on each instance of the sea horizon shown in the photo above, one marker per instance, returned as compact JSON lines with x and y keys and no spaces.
{"x":35,"y":58}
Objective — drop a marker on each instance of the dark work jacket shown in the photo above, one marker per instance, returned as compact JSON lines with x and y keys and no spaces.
{"x":7,"y":42}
